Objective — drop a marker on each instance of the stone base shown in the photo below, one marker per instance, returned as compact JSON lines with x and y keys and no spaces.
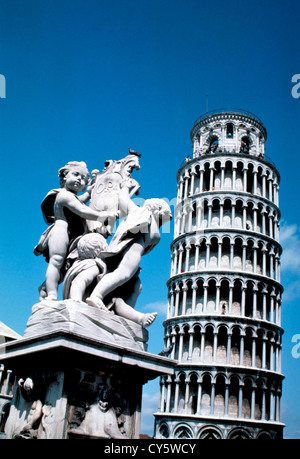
{"x":74,"y":385}
{"x":82,"y":319}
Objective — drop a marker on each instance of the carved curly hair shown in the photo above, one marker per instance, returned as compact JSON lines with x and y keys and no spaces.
{"x":71,"y":165}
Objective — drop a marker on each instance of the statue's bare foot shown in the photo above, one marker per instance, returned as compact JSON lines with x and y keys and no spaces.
{"x":96,"y":303}
{"x":148,"y":319}
{"x":42,"y":292}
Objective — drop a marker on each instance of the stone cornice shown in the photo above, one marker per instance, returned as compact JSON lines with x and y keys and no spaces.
{"x":228,"y":116}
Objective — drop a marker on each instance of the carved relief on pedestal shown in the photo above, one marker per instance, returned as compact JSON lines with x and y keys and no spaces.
{"x":102,"y":418}
{"x":37,"y":414}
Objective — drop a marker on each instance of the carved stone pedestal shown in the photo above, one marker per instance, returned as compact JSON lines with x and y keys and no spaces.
{"x":73,"y":384}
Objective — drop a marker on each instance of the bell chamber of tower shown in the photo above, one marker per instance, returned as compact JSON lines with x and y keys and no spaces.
{"x":224,"y":291}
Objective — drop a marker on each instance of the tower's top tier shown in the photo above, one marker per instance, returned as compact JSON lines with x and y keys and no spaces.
{"x":231,"y":130}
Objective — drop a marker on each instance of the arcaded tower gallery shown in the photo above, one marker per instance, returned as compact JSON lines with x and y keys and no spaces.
{"x":224,"y":315}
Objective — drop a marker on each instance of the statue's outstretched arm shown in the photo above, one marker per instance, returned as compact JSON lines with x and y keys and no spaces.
{"x":72,"y":203}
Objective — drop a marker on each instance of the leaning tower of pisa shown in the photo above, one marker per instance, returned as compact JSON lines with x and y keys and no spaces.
{"x":224,"y":315}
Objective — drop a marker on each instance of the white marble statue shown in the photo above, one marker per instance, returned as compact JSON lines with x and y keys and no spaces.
{"x":101,"y":274}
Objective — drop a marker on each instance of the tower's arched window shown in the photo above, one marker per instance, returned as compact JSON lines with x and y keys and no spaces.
{"x":245,"y":144}
{"x":229,"y":131}
{"x":213,"y":143}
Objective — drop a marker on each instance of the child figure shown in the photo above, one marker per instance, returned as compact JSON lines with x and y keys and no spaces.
{"x":136,"y":236}
{"x":86,"y":268}
{"x":66,"y":213}
{"x":89,"y":268}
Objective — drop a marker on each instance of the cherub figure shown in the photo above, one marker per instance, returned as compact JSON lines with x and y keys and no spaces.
{"x":66,"y":213}
{"x":89,"y":268}
{"x":136,"y":236}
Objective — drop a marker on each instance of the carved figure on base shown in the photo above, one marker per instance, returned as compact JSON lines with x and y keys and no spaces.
{"x":101,"y":420}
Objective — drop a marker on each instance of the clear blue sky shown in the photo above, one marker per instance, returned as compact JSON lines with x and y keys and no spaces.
{"x":88,"y":79}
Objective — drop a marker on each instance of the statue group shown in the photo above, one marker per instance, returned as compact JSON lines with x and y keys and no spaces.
{"x":83,"y":345}
{"x":97,"y":235}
